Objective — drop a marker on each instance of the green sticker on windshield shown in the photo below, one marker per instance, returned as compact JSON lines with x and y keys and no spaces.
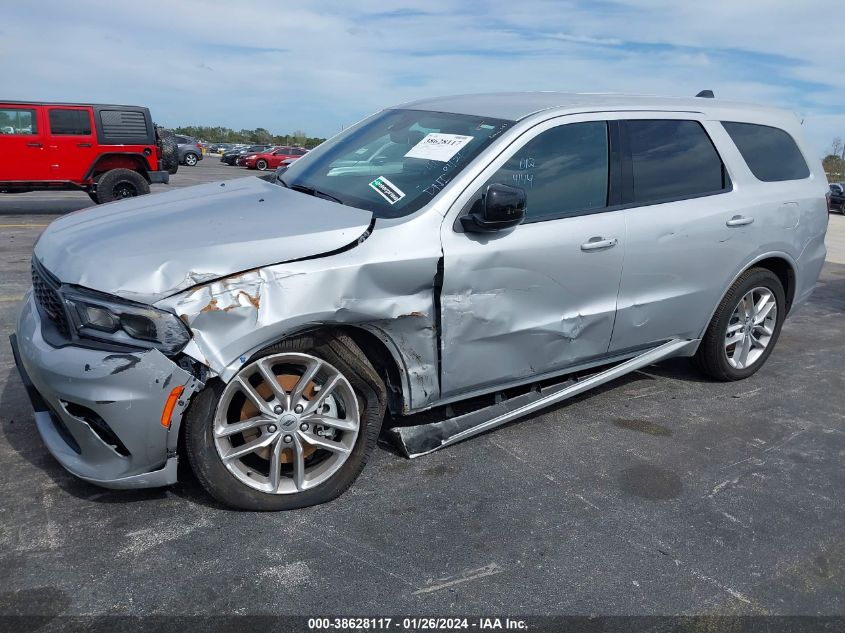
{"x":387,"y":189}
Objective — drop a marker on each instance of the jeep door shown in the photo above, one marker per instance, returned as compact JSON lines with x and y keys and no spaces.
{"x":540,"y":297}
{"x":22,"y":156}
{"x":684,"y":242}
{"x":71,"y":146}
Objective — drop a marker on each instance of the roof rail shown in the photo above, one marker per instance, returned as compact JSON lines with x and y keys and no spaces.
{"x":706,"y":94}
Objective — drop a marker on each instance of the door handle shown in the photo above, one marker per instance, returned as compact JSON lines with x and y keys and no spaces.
{"x":739,"y":220}
{"x":34,"y":145}
{"x":83,"y":144}
{"x":599,"y":243}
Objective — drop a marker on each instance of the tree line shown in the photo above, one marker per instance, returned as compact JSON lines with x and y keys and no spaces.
{"x":260,"y":135}
{"x":834,"y":162}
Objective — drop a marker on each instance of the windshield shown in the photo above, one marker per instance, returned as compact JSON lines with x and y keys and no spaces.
{"x":396,"y":161}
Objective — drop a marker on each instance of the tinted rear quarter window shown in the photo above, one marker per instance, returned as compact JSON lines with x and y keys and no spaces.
{"x":770,"y":153}
{"x":124,"y":127}
{"x":673,"y":160}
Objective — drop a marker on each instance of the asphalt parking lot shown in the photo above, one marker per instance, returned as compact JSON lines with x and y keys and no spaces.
{"x":661,"y":493}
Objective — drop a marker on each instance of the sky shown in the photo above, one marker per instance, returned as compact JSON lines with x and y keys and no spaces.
{"x":319,"y":66}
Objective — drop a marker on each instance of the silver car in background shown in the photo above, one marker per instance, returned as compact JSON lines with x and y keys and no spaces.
{"x":455,"y":263}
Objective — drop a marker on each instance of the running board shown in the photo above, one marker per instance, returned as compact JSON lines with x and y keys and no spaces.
{"x":422,"y":439}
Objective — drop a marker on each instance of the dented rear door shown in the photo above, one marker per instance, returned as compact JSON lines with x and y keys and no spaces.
{"x":542,"y":296}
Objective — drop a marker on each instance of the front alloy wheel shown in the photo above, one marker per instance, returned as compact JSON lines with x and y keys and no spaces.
{"x":286,"y":423}
{"x":293,"y":428}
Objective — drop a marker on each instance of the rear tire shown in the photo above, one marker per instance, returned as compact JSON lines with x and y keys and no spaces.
{"x":717,"y":356}
{"x":117,"y":184}
{"x":243,"y":484}
{"x":191,"y":159}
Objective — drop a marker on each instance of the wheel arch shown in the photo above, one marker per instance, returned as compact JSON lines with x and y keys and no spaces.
{"x":118,"y":160}
{"x":779,"y":263}
{"x":379,"y":350}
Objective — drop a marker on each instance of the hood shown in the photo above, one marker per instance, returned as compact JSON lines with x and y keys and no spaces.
{"x":153,"y":246}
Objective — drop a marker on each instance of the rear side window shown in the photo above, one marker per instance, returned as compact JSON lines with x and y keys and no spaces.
{"x":673,"y":160}
{"x":18,"y":121}
{"x":771,"y":153}
{"x":564,"y":171}
{"x":70,"y":122}
{"x":124,"y":127}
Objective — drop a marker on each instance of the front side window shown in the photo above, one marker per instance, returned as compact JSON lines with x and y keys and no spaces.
{"x":66,"y":122}
{"x":19,"y":121}
{"x":770,"y":153}
{"x":673,"y":160}
{"x":564,"y":171}
{"x":396,"y":161}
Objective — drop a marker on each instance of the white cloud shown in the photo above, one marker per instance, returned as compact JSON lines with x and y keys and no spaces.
{"x":324,"y":64}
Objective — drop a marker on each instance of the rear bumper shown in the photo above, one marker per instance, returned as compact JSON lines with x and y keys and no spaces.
{"x":159,"y":177}
{"x":99,"y":413}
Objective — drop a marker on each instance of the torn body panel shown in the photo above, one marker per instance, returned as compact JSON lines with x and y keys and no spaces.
{"x":369,"y":286}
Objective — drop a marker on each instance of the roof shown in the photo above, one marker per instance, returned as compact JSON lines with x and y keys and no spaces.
{"x":71,"y":104}
{"x":519,"y":105}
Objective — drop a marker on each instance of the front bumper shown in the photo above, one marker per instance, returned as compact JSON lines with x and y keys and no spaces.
{"x":99,"y":413}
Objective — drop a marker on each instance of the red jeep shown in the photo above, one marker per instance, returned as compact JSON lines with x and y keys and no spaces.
{"x":108,"y":151}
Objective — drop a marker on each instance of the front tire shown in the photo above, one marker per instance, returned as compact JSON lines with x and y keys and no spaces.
{"x":292,"y":429}
{"x":745,"y":327}
{"x":118,"y":184}
{"x":261,"y":165}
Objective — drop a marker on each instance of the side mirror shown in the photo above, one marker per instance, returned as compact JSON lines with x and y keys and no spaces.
{"x":501,"y":207}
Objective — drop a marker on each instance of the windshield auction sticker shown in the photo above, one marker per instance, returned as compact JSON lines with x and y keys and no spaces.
{"x":387,"y":189}
{"x":436,"y":146}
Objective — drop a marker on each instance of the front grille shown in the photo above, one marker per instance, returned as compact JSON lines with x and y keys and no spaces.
{"x":45,"y":288}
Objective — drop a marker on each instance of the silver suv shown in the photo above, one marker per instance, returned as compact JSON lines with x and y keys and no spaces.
{"x":455,"y":263}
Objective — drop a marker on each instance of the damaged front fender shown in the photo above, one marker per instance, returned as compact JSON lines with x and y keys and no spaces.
{"x":371,"y":286}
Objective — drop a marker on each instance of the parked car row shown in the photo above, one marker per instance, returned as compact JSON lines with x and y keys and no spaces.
{"x":262,"y":157}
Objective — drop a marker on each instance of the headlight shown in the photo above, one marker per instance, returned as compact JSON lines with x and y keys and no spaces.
{"x":113,"y":320}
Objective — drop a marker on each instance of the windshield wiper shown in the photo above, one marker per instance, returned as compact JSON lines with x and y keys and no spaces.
{"x":311,"y":191}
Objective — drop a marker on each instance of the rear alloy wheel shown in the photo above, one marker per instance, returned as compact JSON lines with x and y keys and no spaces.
{"x":261,"y":165}
{"x":191,"y":159}
{"x":744,"y":328}
{"x":118,"y":184}
{"x":289,"y":430}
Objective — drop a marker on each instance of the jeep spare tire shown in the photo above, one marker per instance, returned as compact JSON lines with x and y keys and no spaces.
{"x":166,"y":141}
{"x":117,"y":184}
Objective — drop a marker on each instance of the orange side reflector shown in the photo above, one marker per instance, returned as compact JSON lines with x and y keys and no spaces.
{"x":169,"y":405}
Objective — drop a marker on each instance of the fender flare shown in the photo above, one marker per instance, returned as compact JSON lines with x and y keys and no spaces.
{"x":142,"y":160}
{"x":790,"y":261}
